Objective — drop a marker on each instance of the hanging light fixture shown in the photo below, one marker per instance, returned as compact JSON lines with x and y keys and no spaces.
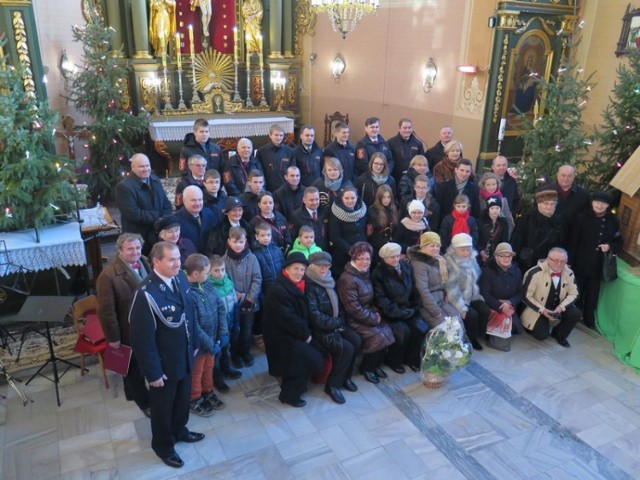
{"x":345,"y":14}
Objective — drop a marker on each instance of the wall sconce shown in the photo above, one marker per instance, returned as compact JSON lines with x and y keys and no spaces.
{"x":472,"y":69}
{"x":337,"y":67}
{"x":429,"y":75}
{"x":67,"y":67}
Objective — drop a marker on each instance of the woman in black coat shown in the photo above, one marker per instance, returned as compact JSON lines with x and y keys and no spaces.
{"x":280,"y":234}
{"x":377,"y":175}
{"x":287,"y":335}
{"x":595,"y":232}
{"x":332,"y":182}
{"x":347,"y":225}
{"x":492,"y":229}
{"x":328,"y":326}
{"x":398,"y":302}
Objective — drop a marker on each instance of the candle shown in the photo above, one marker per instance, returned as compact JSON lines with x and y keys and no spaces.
{"x":164,"y":54}
{"x":235,"y":44}
{"x":260,"y":51}
{"x":191,"y":45}
{"x":247,"y":38}
{"x":178,"y":53}
{"x":503,"y":126}
{"x":536,"y":108}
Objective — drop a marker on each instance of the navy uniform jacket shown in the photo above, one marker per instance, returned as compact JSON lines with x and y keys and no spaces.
{"x":403,"y":151}
{"x":160,"y":349}
{"x":275,"y":160}
{"x":140,"y":205}
{"x":308,"y":161}
{"x":365,"y":148}
{"x":192,"y":147}
{"x":346,"y":154}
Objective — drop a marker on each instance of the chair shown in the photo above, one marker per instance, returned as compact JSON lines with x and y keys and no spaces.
{"x":330,"y":125}
{"x":81,"y":310}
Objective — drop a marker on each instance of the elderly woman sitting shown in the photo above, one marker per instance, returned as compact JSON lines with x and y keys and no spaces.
{"x":399,"y":301}
{"x":462,"y":287}
{"x":328,"y":326}
{"x":355,"y":291}
{"x":287,"y":335}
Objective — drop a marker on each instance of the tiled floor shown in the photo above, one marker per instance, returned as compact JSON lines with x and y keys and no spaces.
{"x":537,"y":412}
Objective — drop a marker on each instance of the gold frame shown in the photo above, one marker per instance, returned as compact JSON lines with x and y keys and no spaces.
{"x":507,"y":105}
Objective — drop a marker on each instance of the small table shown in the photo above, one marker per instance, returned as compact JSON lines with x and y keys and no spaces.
{"x":47,"y":310}
{"x":96,"y":222}
{"x":617,"y":315}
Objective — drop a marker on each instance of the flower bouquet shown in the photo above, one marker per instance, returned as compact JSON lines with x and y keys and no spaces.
{"x":446,"y":350}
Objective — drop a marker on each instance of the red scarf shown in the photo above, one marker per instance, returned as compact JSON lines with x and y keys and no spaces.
{"x":485,"y":194}
{"x":461,"y":224}
{"x":299,"y":285}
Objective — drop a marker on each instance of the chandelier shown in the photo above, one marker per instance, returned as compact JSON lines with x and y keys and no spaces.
{"x":345,"y":14}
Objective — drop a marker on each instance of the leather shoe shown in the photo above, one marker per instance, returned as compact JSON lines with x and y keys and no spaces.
{"x":350,"y":386}
{"x":399,"y":369}
{"x":476,"y":345}
{"x":146,"y":412}
{"x":563,"y":343}
{"x":191,"y":437}
{"x":414,"y":368}
{"x":172,"y":460}
{"x":232,"y":374}
{"x":381,"y":373}
{"x":220,"y":385}
{"x":298,"y":403}
{"x":371,"y":377}
{"x":335,"y":394}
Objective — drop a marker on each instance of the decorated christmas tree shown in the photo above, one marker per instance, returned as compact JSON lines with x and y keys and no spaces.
{"x":556,"y":137}
{"x":98,"y":90}
{"x":35,"y":184}
{"x":619,"y":135}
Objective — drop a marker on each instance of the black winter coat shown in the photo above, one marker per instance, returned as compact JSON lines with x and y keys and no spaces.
{"x":588,"y":232}
{"x":280,"y":234}
{"x":490,"y":237}
{"x":236,"y":174}
{"x":347,"y":156}
{"x":395,"y":294}
{"x":497,"y":284}
{"x":191,"y":147}
{"x":367,"y":188}
{"x":285,"y":322}
{"x":308,"y":161}
{"x":536,"y":234}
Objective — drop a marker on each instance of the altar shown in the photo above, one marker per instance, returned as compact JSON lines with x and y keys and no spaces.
{"x":173,"y":129}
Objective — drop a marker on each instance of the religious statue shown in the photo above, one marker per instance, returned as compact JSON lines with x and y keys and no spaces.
{"x":162,"y":24}
{"x":252,"y":12}
{"x":205,"y":17}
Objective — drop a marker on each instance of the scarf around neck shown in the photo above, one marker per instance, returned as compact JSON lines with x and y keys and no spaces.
{"x":299,"y":285}
{"x":485,"y":194}
{"x":333,"y":185}
{"x":349,"y":215}
{"x":380,"y":179}
{"x":328,"y":283}
{"x":414,"y":226}
{"x":461,"y":222}
{"x":223,"y":286}
{"x":237,"y":256}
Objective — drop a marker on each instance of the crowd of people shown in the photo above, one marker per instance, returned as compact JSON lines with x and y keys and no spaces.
{"x":316,"y":256}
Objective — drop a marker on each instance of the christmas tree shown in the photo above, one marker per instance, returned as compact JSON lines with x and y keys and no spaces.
{"x":556,"y":137}
{"x":97,"y":90}
{"x":619,"y":135}
{"x":35,"y":184}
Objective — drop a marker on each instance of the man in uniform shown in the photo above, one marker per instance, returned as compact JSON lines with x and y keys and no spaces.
{"x":275,"y":158}
{"x":141,"y":201}
{"x":288,"y":197}
{"x":115,"y":287}
{"x":404,"y":146}
{"x":199,"y":143}
{"x":343,"y":150}
{"x":308,"y":156}
{"x":164,"y":341}
{"x":371,"y":143}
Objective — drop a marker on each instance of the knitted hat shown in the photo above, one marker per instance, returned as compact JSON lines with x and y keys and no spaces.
{"x":165,"y":223}
{"x":493,"y":201}
{"x":546,"y":195}
{"x":320,"y":258}
{"x":503,"y":248}
{"x":602,"y":196}
{"x":415,"y":205}
{"x":427,"y":238}
{"x":461,"y":240}
{"x":295,"y":257}
{"x":390,"y":250}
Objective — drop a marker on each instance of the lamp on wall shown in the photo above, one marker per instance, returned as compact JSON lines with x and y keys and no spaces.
{"x":67,"y":67}
{"x":429,"y":74}
{"x":344,"y":14}
{"x":337,"y":67}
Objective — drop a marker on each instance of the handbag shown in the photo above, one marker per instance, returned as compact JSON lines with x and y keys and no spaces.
{"x":499,"y":325}
{"x":609,"y":266}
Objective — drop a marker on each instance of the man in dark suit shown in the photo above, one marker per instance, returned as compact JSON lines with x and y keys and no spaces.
{"x":572,"y":198}
{"x":461,"y":183}
{"x":371,"y":143}
{"x":508,"y":185}
{"x":141,"y":201}
{"x":404,"y":146}
{"x":164,"y":340}
{"x":196,"y":222}
{"x":289,"y":196}
{"x":275,"y":157}
{"x":308,"y":156}
{"x":313,"y":215}
{"x":436,"y":153}
{"x":115,"y":287}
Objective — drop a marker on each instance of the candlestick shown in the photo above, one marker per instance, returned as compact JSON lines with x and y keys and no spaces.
{"x":260,"y":55}
{"x":235,"y":44}
{"x":192,"y":49}
{"x":501,"y":129}
{"x":178,"y":53}
{"x":164,"y":54}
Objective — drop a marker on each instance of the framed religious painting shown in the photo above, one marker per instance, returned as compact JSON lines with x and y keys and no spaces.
{"x":530,"y":60}
{"x":630,"y":34}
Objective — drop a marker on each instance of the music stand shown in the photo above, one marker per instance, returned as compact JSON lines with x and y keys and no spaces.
{"x":46,"y":309}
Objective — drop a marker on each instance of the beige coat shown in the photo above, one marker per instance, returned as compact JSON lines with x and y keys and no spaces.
{"x":537,"y":283}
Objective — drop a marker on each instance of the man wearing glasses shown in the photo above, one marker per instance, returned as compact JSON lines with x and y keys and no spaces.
{"x":194,"y":176}
{"x":550,"y":291}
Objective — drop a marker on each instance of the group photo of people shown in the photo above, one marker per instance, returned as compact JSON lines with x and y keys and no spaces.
{"x":336,"y":263}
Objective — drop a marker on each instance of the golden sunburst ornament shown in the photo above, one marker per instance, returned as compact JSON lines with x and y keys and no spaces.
{"x":213,"y":69}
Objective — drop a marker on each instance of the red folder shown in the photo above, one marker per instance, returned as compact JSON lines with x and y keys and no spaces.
{"x":117,"y":360}
{"x":92,"y":329}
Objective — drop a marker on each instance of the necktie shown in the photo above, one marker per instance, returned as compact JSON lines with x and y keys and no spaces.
{"x":314,"y":215}
{"x":200,"y":182}
{"x":375,"y":142}
{"x":556,"y":274}
{"x":135,"y":265}
{"x":174,"y":286}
